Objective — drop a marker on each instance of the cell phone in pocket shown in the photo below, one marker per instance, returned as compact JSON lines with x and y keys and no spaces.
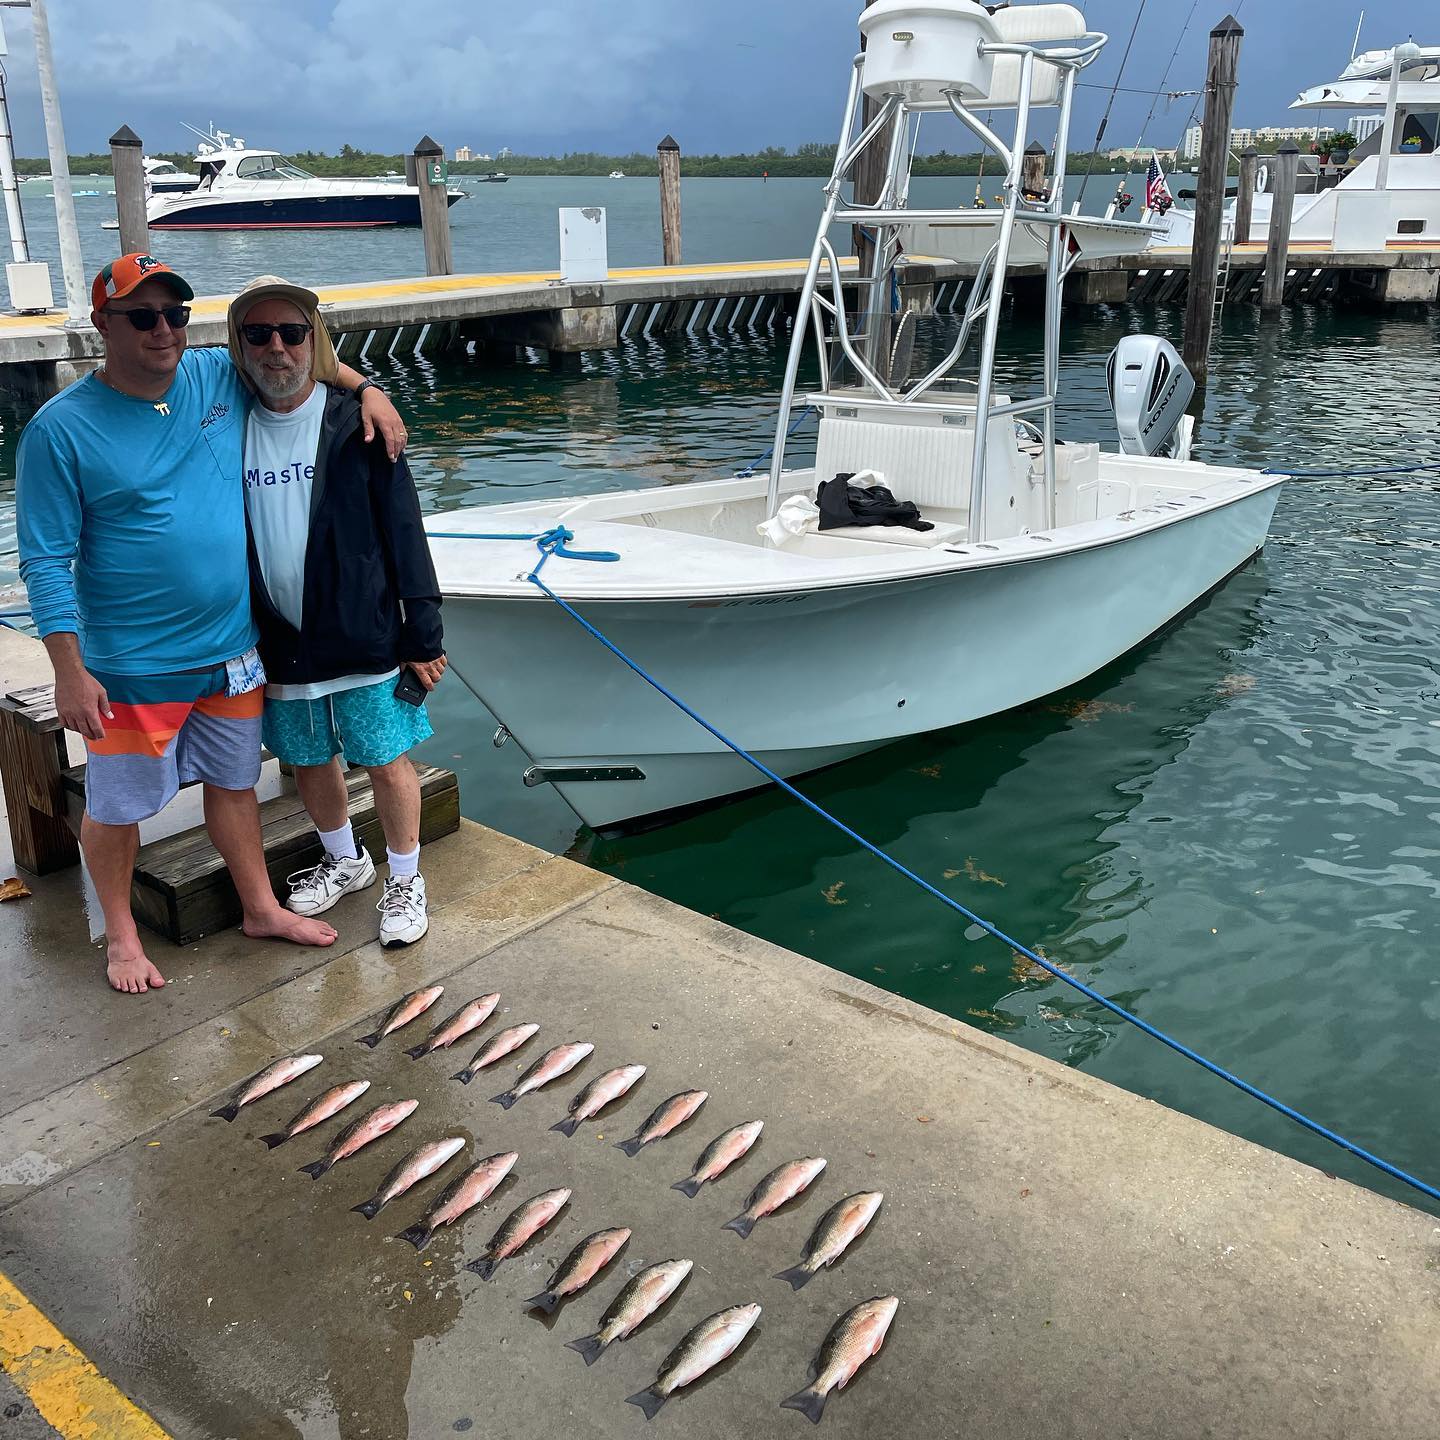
{"x":408,"y":688}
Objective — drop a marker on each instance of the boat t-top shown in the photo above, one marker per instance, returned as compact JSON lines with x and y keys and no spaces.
{"x":947,"y":556}
{"x":242,"y":188}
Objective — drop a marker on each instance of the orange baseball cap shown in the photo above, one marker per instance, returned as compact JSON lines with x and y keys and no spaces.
{"x":121,"y":276}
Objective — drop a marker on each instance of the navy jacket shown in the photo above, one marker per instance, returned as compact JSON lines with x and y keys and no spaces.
{"x":371,"y":596}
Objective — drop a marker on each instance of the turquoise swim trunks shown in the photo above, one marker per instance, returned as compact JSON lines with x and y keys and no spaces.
{"x":368,"y":725}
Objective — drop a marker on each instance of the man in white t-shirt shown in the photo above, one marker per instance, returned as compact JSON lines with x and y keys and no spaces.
{"x":345,"y":598}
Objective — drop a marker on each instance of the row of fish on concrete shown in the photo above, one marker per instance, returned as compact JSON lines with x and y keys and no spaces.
{"x":854,"y":1338}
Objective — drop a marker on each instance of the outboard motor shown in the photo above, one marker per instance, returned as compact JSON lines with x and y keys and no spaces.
{"x":1149,"y":390}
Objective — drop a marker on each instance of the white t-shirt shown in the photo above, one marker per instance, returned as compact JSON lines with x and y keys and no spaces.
{"x":280,"y":450}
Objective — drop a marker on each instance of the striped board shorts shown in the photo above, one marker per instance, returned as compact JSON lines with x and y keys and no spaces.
{"x":167,"y":731}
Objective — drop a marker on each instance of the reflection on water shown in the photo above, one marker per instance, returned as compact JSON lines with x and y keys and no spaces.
{"x":1231,"y":830}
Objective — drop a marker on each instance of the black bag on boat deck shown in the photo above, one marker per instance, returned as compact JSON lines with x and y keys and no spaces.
{"x":841,"y":504}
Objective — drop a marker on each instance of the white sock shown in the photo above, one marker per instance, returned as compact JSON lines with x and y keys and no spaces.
{"x":403,"y":867}
{"x":339,"y":844}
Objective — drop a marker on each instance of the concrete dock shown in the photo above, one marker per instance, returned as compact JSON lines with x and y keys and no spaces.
{"x":1071,"y":1260}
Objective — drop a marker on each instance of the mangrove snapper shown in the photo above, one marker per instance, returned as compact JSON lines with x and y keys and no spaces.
{"x":461,"y":1196}
{"x":497,"y":1047}
{"x":402,"y":1012}
{"x":359,"y":1133}
{"x":319,"y":1110}
{"x":579,"y":1268}
{"x":554,"y":1063}
{"x":853,"y":1339}
{"x":418,"y":1165}
{"x":841,"y":1225}
{"x":599,"y":1093}
{"x":470,"y":1016}
{"x":719,"y":1155}
{"x":521,"y":1223}
{"x":668,"y":1116}
{"x":272,"y":1077}
{"x":783,"y":1183}
{"x":714,"y":1338}
{"x":638,"y":1299}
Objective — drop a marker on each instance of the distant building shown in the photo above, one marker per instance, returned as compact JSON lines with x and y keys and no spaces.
{"x":462,"y":153}
{"x":1362,"y":127}
{"x":1265,"y":137}
{"x":1142,"y":153}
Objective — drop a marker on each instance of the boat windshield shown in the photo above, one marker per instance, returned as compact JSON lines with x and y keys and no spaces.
{"x":270,"y":167}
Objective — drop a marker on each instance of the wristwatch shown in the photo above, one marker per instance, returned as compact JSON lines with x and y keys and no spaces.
{"x":367,"y":384}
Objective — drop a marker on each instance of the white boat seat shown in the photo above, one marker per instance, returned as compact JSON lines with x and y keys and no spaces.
{"x":942,"y":534}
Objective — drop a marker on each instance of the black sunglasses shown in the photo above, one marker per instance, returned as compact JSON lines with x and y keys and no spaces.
{"x":146,"y":317}
{"x":293,"y":334}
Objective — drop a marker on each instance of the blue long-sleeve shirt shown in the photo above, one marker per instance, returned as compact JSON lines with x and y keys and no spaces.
{"x":131,"y":520}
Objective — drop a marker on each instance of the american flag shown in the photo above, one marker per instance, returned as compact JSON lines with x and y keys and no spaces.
{"x":1157,"y":192}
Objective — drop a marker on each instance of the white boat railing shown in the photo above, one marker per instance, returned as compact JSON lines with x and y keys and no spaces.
{"x":1042,"y":217}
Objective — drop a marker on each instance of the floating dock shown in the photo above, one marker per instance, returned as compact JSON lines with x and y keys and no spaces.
{"x":1071,"y":1259}
{"x":503,"y":313}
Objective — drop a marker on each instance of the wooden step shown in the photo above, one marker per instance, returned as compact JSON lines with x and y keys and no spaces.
{"x":182,"y":890}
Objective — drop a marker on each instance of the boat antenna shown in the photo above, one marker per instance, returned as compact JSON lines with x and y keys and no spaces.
{"x":1355,"y":47}
{"x":1110,"y":103}
{"x":1160,"y":89}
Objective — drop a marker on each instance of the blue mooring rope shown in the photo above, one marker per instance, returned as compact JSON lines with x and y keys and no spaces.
{"x":1347,"y":474}
{"x":553,"y":542}
{"x":804,"y":415}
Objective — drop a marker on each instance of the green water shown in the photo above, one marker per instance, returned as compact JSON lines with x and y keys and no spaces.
{"x":1231,"y":831}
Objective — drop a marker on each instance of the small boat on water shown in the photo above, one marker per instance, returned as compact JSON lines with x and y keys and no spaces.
{"x":786,"y":615}
{"x":241,"y":188}
{"x":490,"y":177}
{"x":617,"y":174}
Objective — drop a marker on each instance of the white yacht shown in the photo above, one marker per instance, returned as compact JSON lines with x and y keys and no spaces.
{"x":241,"y":188}
{"x":1389,"y":196}
{"x":805,"y":631}
{"x":164,"y":177}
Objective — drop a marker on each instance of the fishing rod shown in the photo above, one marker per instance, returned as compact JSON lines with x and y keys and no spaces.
{"x":1110,"y":104}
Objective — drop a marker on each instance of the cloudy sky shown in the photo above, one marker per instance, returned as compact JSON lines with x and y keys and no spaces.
{"x":545,"y":76}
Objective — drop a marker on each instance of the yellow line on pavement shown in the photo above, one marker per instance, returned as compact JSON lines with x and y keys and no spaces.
{"x":71,"y":1394}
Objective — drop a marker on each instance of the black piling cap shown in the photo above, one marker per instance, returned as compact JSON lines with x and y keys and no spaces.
{"x":127,"y":139}
{"x":668,"y":143}
{"x":1036,"y":148}
{"x":427,"y":146}
{"x":1228,"y":26}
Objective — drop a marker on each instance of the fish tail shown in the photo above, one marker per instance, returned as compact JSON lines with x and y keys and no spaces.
{"x":591,"y":1347}
{"x":631,"y":1147}
{"x":370,"y":1209}
{"x":742,"y":1225}
{"x":371,"y":1040}
{"x":316,"y":1170}
{"x":416,"y":1051}
{"x":690,"y":1187}
{"x":464,"y":1076}
{"x":225,"y":1112}
{"x":504,"y":1101}
{"x":278,"y":1138}
{"x":485,"y":1269}
{"x":810,"y":1402}
{"x":798,"y":1275}
{"x":568,"y":1126}
{"x":547,"y":1300}
{"x":648,"y":1401}
{"x":417,"y":1235}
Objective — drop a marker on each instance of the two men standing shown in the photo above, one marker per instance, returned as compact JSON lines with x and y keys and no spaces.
{"x":131,"y":519}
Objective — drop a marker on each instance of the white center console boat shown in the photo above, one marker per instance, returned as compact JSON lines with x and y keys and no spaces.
{"x":1045,"y":559}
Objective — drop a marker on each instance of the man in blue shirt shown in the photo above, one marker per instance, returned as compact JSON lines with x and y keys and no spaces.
{"x":131,"y":528}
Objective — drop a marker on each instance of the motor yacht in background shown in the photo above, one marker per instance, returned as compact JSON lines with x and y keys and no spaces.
{"x":240,"y":188}
{"x":1389,"y":196}
{"x":163,"y":177}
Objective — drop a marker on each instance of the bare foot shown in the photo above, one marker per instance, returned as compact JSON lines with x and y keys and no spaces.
{"x":129,"y":968}
{"x":282,"y":924}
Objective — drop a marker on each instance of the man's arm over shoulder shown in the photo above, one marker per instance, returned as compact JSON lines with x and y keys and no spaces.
{"x":402,"y":531}
{"x":49,"y":508}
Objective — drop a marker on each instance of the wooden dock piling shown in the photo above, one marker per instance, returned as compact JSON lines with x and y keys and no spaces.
{"x":1032,"y":171}
{"x":1277,"y":251}
{"x":1220,"y":83}
{"x":1245,"y":194}
{"x":127,"y":159}
{"x":429,"y":164}
{"x":668,"y":152}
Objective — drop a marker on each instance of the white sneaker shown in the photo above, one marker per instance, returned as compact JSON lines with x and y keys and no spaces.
{"x":402,"y":912}
{"x":314,"y":891}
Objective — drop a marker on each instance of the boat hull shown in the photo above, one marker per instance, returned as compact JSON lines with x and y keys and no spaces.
{"x":805,"y":678}
{"x":299,"y":212}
